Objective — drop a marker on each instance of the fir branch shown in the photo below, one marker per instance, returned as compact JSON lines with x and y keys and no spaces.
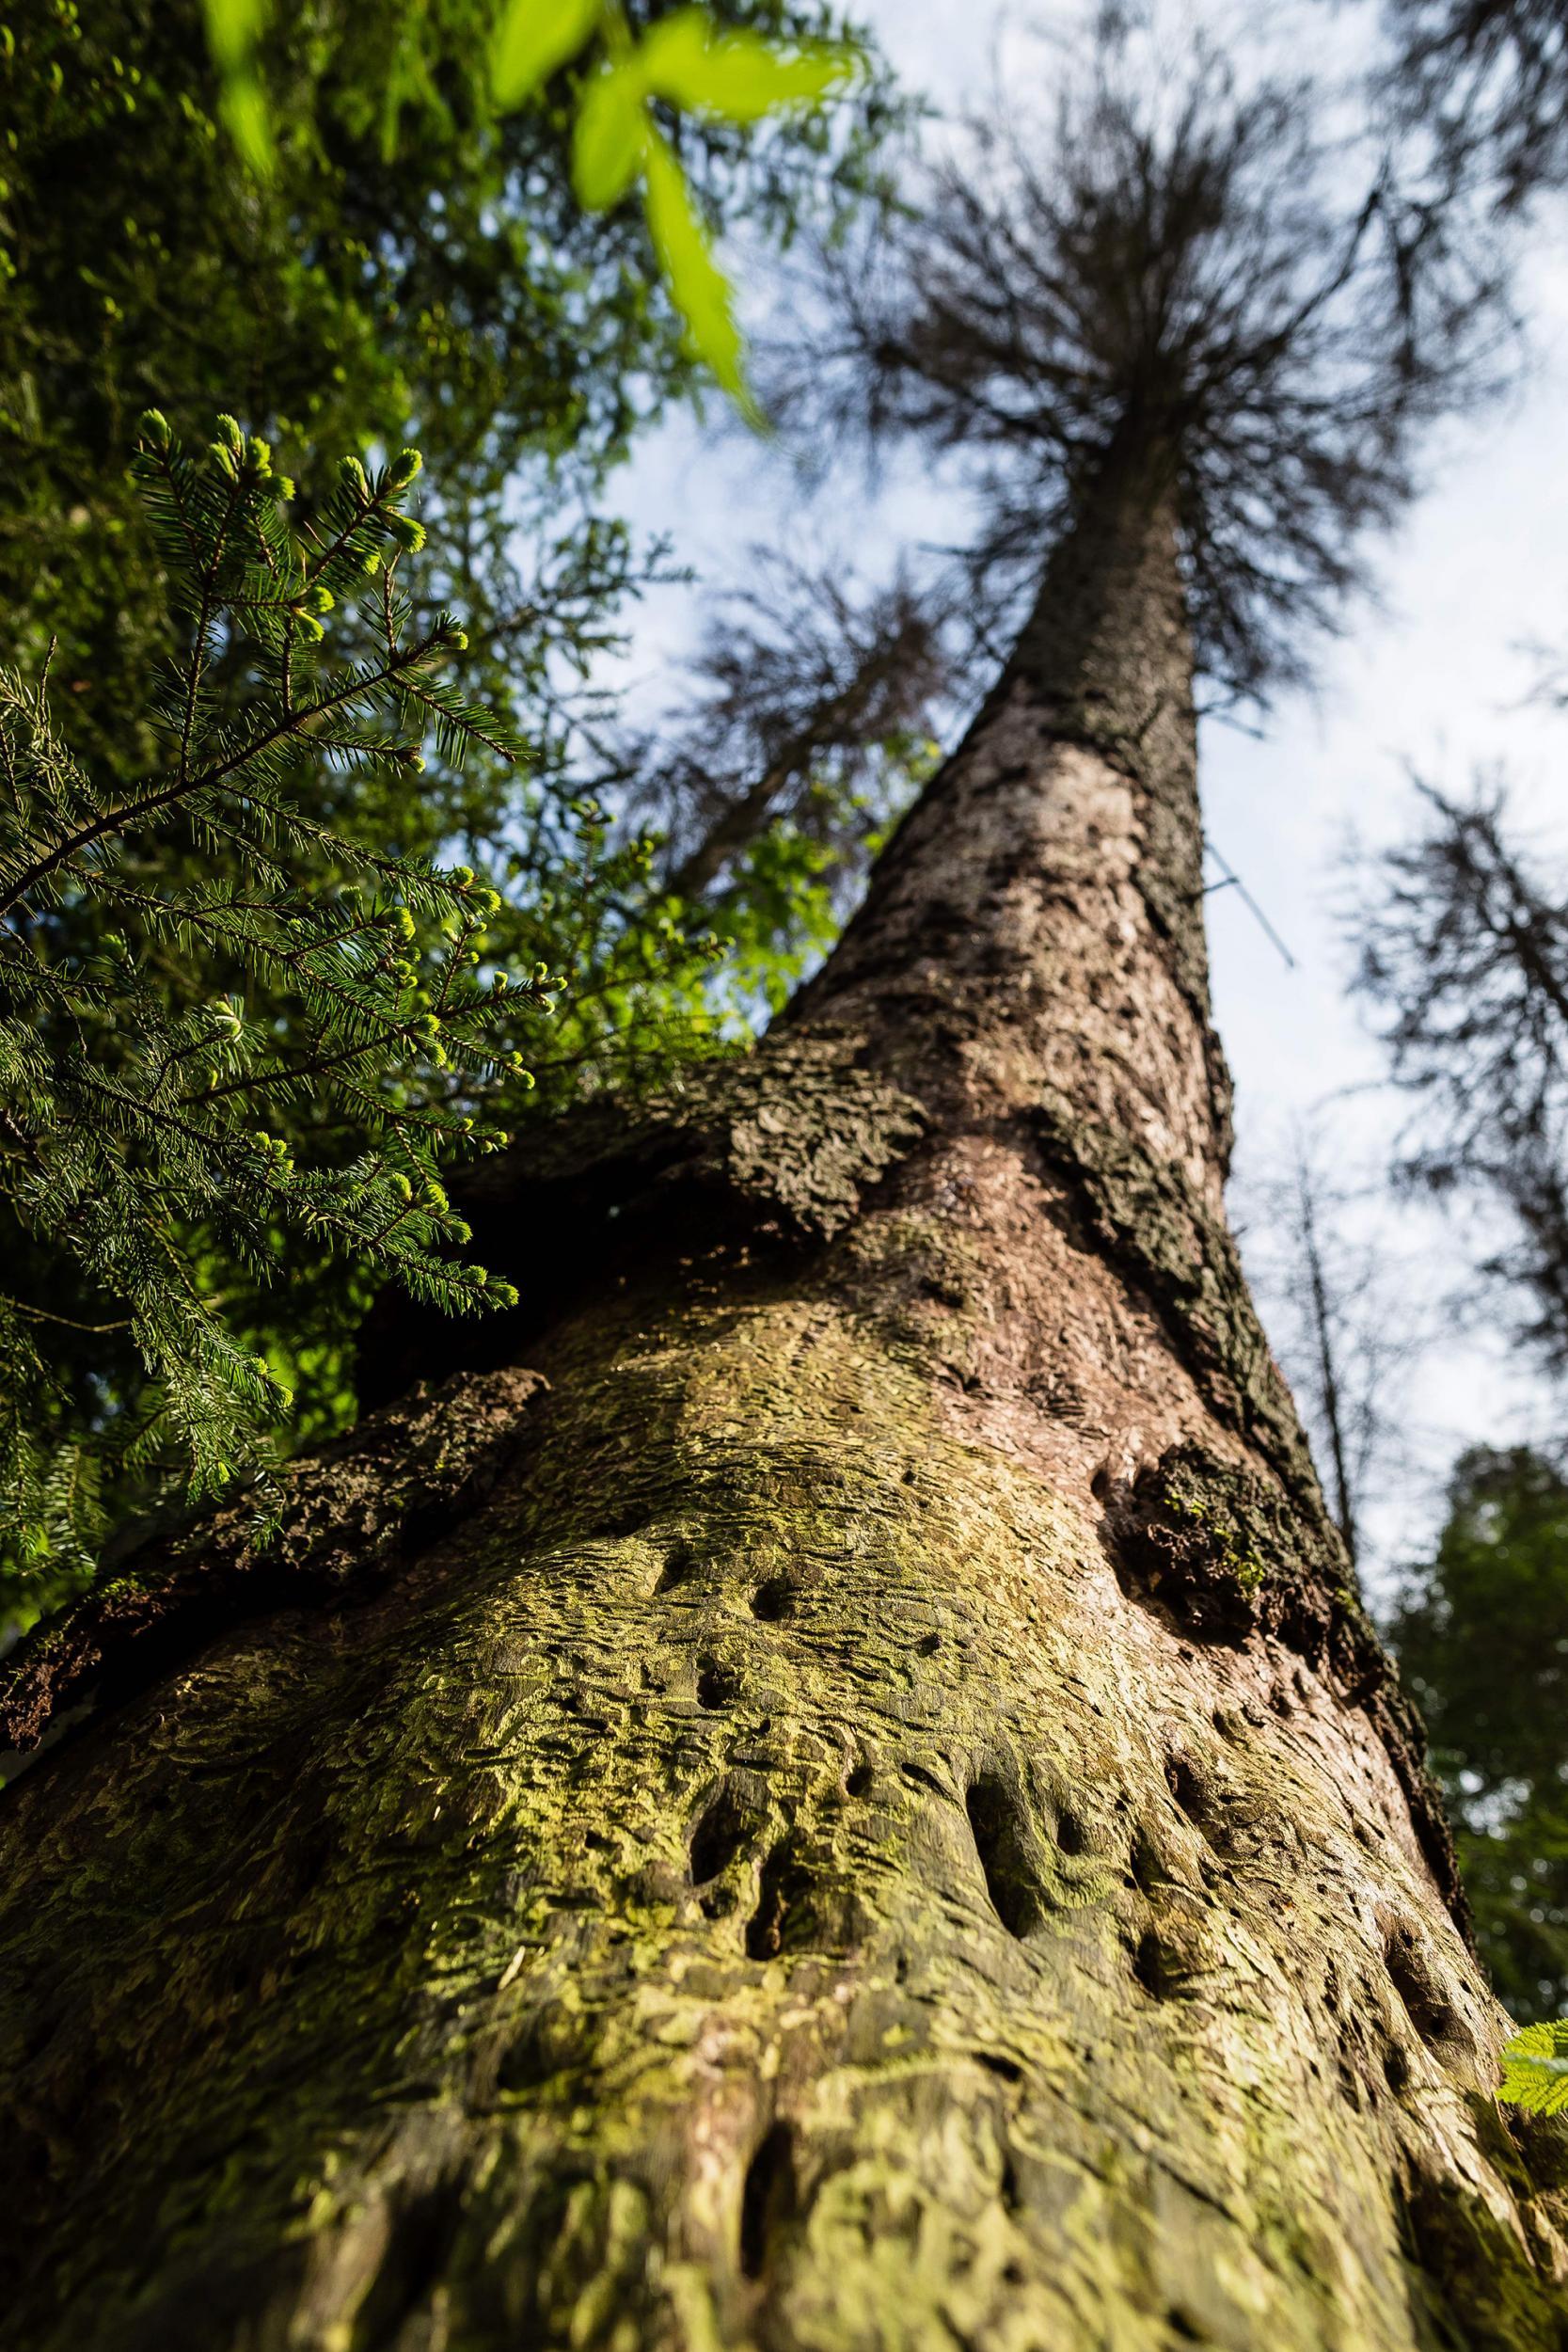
{"x":119,"y":1152}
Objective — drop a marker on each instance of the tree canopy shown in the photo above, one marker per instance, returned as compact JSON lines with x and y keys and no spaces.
{"x":1184,"y":263}
{"x":1463,"y":937}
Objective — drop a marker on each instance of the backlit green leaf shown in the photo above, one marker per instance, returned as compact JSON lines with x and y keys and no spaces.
{"x":234,"y":29}
{"x":533,"y":39}
{"x":1535,"y":2069}
{"x":701,"y":291}
{"x":611,"y":134}
{"x":243,"y":108}
{"x":690,"y":61}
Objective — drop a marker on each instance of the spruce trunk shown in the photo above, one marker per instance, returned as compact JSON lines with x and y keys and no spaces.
{"x":849,"y":1807}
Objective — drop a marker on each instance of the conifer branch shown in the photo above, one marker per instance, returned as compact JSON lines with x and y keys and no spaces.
{"x":123,"y":1158}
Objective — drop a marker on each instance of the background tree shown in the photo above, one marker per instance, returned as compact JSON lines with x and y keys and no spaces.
{"x":1482,"y":1638}
{"x":865,"y":1810}
{"x":1463,"y":958}
{"x":1340,"y":1312}
{"x":811,"y":698}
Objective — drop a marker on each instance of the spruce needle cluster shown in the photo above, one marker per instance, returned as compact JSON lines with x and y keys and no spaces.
{"x":149,"y":1135}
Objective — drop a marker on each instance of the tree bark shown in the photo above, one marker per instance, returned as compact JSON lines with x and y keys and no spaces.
{"x":854,"y":1807}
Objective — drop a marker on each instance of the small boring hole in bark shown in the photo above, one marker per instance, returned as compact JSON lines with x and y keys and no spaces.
{"x":859,"y":1782}
{"x":679,"y":1564}
{"x":1150,"y":1966}
{"x":303,"y":1867}
{"x":783,"y":1883}
{"x":247,"y":1973}
{"x":774,"y":1601}
{"x":1187,"y":1789}
{"x":1185,"y":2329}
{"x":767,"y":2200}
{"x":1071,"y":1834}
{"x":999,"y":1841}
{"x":1395,"y":2066}
{"x":419,"y":2251}
{"x":723,"y":1831}
{"x":928,"y":1644}
{"x":1423,"y":1999}
{"x":525,"y":2063}
{"x":1006,"y":2069}
{"x":1100,"y":1485}
{"x":620,"y":1520}
{"x":717,"y":1685}
{"x":549,"y":2042}
{"x":1143,"y":1860}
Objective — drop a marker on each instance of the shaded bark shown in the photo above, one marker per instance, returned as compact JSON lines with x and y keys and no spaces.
{"x":888,"y":1826}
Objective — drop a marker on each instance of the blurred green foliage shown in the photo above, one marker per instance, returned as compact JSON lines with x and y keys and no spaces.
{"x":1481,"y":1636}
{"x":685,"y":60}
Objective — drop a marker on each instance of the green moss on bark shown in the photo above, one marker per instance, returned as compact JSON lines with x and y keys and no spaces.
{"x":350,"y":1517}
{"x":759,"y":1885}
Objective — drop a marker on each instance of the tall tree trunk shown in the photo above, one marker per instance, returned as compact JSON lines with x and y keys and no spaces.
{"x":864,"y":1814}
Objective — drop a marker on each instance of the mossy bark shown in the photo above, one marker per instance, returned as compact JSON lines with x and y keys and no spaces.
{"x":862,"y":1811}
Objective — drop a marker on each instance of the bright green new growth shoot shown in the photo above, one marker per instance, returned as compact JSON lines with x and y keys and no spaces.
{"x":136,"y":1144}
{"x":1535,"y":2069}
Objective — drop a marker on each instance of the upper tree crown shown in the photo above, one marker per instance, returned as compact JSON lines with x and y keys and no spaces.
{"x":1210,"y":272}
